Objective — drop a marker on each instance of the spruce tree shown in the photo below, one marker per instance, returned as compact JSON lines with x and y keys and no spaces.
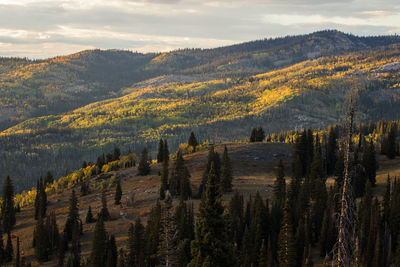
{"x":166,"y":151}
{"x":369,"y":162}
{"x":287,"y":249}
{"x":41,"y":241}
{"x":391,"y":143}
{"x":160,"y":154}
{"x":144,"y":164}
{"x":211,"y":246}
{"x":179,"y":183}
{"x":8,"y":252}
{"x":226,"y":172}
{"x":279,"y":188}
{"x":136,"y":244}
{"x":62,"y":245}
{"x":117,"y":153}
{"x":193,"y":141}
{"x":52,"y":231}
{"x":40,"y":200}
{"x":7,"y":206}
{"x":99,"y":245}
{"x":118,"y":193}
{"x":152,"y":234}
{"x":76,"y":246}
{"x":263,"y":255}
{"x":89,"y":216}
{"x":164,"y":179}
{"x":167,"y":248}
{"x":73,"y":215}
{"x":48,"y":178}
{"x":331,"y":151}
{"x":112,"y":252}
{"x":213,"y":158}
{"x":104,"y":214}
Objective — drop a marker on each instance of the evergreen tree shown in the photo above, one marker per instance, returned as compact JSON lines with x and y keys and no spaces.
{"x":2,"y":251}
{"x":52,"y":231}
{"x":279,"y":188}
{"x":213,"y":158}
{"x":236,"y":218}
{"x":369,"y":162}
{"x":390,"y":145}
{"x":48,"y":178}
{"x":118,"y":193}
{"x":76,"y":246}
{"x":167,"y":247}
{"x":8,"y":252}
{"x":160,"y":154}
{"x":287,"y":249}
{"x":211,"y":246}
{"x":136,"y":244}
{"x":89,"y":216}
{"x":144,"y":164}
{"x":40,"y":200}
{"x":184,"y":219}
{"x":104,"y":214}
{"x":99,"y":245}
{"x":73,"y":215}
{"x":226,"y":172}
{"x":63,"y":243}
{"x":166,"y":151}
{"x":41,"y":241}
{"x":263,"y":255}
{"x":7,"y":206}
{"x":193,"y":141}
{"x":164,"y":179}
{"x":179,"y":183}
{"x":112,"y":252}
{"x":152,"y":235}
{"x":331,"y":154}
{"x":117,"y":153}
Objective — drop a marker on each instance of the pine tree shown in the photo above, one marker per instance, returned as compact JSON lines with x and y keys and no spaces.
{"x":236,"y":218}
{"x":144,"y":164}
{"x":279,"y":186}
{"x":117,"y":153}
{"x":41,"y":241}
{"x":184,"y":220}
{"x":136,"y":244}
{"x":152,"y":235}
{"x":391,"y":143}
{"x":112,"y":252}
{"x":179,"y":183}
{"x":287,"y":249}
{"x":73,"y":215}
{"x":160,"y":154}
{"x":168,"y":234}
{"x":40,"y":200}
{"x":76,"y":246}
{"x":48,"y":178}
{"x":166,"y":151}
{"x":7,"y":206}
{"x":213,"y":158}
{"x":193,"y":141}
{"x":226,"y":172}
{"x":89,"y":216}
{"x":331,"y":155}
{"x":369,"y":162}
{"x":211,"y":246}
{"x":63,"y":243}
{"x":104,"y":214}
{"x":263,"y":255}
{"x":164,"y":179}
{"x":52,"y":230}
{"x":118,"y":193}
{"x":98,"y":253}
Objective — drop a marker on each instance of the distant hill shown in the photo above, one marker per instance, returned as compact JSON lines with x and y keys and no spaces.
{"x":31,"y":89}
{"x":310,"y":93}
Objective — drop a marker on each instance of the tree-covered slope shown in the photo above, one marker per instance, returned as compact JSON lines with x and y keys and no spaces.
{"x":311,"y":93}
{"x":30,"y":89}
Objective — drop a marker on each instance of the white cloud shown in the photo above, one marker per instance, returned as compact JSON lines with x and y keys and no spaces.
{"x":62,"y":26}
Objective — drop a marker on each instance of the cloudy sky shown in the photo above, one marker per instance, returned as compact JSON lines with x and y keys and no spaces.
{"x":46,"y":28}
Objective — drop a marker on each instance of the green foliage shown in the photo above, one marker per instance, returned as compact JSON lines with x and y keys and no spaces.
{"x":41,"y":241}
{"x":118,"y":194}
{"x":257,"y":135}
{"x":99,"y":245}
{"x":7,"y":206}
{"x":144,"y":163}
{"x":179,"y":184}
{"x":193,"y":141}
{"x":136,"y":244}
{"x":226,"y":172}
{"x":73,"y":216}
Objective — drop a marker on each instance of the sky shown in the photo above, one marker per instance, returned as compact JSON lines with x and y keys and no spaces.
{"x":48,"y":28}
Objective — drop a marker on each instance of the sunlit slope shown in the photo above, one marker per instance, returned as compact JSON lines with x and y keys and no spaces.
{"x":311,"y":93}
{"x":31,"y":89}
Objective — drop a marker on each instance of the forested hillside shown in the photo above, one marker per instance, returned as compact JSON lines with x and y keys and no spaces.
{"x":310,"y":93}
{"x":48,"y":87}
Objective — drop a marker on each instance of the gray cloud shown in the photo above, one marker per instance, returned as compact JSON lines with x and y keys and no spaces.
{"x":44,"y":29}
